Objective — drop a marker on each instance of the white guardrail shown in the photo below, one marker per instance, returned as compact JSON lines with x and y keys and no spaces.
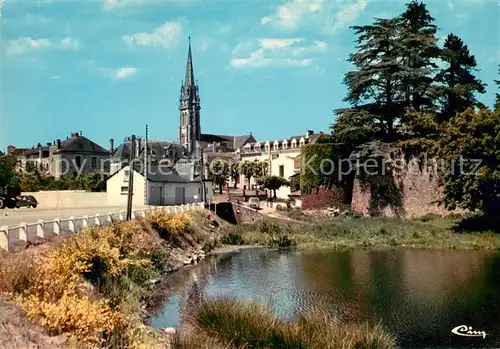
{"x":57,"y":226}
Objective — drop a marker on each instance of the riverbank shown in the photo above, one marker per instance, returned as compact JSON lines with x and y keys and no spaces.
{"x":92,"y":288}
{"x":299,"y":230}
{"x":95,"y":288}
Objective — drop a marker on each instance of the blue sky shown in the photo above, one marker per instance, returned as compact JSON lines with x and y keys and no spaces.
{"x":272,"y":68}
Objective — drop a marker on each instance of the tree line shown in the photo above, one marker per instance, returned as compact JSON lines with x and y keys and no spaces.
{"x":407,"y":92}
{"x":34,"y":180}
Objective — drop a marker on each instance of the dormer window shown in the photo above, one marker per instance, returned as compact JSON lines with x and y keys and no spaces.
{"x":294,"y":143}
{"x":257,"y":147}
{"x":284,"y":145}
{"x":276,"y":145}
{"x":248,"y":147}
{"x":267,"y":146}
{"x":302,"y":142}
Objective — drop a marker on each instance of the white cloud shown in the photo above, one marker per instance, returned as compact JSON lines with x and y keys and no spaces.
{"x":110,"y":5}
{"x":325,"y":16}
{"x":204,"y":45}
{"x":166,"y":36}
{"x":290,"y":52}
{"x":290,"y":15}
{"x":347,"y":14}
{"x":27,"y":44}
{"x":69,"y":43}
{"x":125,"y":72}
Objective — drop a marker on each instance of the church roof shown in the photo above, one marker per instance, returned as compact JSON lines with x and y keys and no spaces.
{"x":231,"y":142}
{"x":157,"y":149}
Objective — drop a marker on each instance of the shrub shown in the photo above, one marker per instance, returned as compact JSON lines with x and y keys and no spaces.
{"x":229,"y":323}
{"x":429,"y":217}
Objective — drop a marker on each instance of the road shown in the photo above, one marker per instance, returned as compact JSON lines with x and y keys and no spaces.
{"x":32,"y":215}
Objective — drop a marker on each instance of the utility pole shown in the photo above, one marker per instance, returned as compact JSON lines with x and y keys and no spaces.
{"x":203,"y":193}
{"x":131,"y":178}
{"x":146,"y":167}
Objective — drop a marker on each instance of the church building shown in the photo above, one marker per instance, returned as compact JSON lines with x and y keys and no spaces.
{"x":190,"y":135}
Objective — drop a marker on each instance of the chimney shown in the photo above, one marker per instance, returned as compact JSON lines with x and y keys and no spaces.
{"x":10,"y":149}
{"x":75,"y":134}
{"x":111,"y":145}
{"x":309,"y":133}
{"x":58,"y":143}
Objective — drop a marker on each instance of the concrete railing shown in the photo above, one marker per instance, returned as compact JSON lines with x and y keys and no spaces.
{"x":25,"y":232}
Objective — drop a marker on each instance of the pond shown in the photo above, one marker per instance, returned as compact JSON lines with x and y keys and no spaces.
{"x":420,"y":295}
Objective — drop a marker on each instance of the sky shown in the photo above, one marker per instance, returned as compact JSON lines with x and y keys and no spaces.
{"x":275,"y":69}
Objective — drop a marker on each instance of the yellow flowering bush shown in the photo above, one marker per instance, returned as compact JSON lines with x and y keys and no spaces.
{"x":89,"y":286}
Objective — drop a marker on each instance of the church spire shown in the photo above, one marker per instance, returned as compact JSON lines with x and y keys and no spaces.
{"x":189,"y":68}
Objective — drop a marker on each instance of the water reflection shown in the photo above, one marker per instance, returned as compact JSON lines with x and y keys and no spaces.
{"x":419,"y":294}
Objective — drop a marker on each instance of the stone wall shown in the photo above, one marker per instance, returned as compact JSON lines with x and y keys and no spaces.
{"x":245,"y":215}
{"x":417,"y":185}
{"x":322,"y":198}
{"x":68,"y":199}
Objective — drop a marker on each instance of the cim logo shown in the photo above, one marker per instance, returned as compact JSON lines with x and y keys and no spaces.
{"x":466,"y":331}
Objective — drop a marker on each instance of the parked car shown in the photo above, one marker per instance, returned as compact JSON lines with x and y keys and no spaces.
{"x":8,"y":196}
{"x":26,"y":201}
{"x":254,"y":203}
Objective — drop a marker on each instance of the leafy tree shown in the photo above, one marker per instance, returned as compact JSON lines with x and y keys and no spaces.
{"x":219,"y":173}
{"x":93,"y":181}
{"x":260,"y":169}
{"x":472,"y":139}
{"x":295,"y":182}
{"x":247,"y":169}
{"x":417,"y":50}
{"x":274,"y":183}
{"x":374,"y":87}
{"x":459,"y":84}
{"x":234,"y":172}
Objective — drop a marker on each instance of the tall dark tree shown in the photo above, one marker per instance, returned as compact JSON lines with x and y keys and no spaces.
{"x":459,"y":84}
{"x":418,"y":51}
{"x":374,"y":87}
{"x":395,"y":68}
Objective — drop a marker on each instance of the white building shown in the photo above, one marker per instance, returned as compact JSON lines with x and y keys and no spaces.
{"x":165,"y":187}
{"x":282,"y":155}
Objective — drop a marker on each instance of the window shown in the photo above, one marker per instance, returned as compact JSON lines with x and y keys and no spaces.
{"x":78,"y":161}
{"x":282,"y":170}
{"x":124,"y":190}
{"x":126,"y":174}
{"x":94,"y":162}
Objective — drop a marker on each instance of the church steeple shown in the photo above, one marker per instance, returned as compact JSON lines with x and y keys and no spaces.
{"x":189,"y":108}
{"x":189,"y":68}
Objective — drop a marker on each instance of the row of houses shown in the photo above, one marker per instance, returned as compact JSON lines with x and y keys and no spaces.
{"x":173,"y":176}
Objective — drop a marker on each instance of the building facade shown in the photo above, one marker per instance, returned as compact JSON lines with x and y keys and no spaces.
{"x":77,"y":155}
{"x":159,"y":188}
{"x":282,"y":157}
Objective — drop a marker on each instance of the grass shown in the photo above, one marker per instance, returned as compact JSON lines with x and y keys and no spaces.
{"x":303,"y":231}
{"x":91,"y":287}
{"x":227,"y":323}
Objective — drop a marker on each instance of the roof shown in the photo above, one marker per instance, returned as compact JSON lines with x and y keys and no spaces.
{"x":163,"y":174}
{"x":157,"y":149}
{"x":74,"y":144}
{"x":232,"y":142}
{"x":81,"y":144}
